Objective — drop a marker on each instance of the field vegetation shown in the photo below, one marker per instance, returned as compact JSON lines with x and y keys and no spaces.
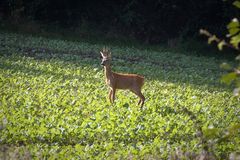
{"x":54,"y":102}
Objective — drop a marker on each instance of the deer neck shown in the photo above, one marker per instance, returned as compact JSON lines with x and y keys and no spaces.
{"x":108,"y":72}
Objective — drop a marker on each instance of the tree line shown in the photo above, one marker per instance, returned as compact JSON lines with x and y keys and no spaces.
{"x":148,"y":20}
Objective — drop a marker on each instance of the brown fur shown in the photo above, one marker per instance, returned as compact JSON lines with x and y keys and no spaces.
{"x":132,"y":82}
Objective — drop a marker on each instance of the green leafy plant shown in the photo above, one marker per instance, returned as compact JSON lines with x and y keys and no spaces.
{"x":54,"y":102}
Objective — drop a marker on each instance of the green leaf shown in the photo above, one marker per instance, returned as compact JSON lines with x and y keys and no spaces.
{"x":234,"y":129}
{"x":210,"y":132}
{"x":235,"y":40}
{"x":233,"y":31}
{"x":237,"y":4}
{"x":78,"y":147}
{"x":221,"y":44}
{"x":233,"y":24}
{"x":228,"y":78}
{"x":225,"y":66}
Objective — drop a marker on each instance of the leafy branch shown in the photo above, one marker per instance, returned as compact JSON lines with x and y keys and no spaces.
{"x":234,"y":35}
{"x":214,"y":38}
{"x":232,"y":77}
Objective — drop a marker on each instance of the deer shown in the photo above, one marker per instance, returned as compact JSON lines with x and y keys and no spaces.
{"x":132,"y":82}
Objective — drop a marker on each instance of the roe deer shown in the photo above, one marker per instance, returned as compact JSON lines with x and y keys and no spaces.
{"x":132,"y":82}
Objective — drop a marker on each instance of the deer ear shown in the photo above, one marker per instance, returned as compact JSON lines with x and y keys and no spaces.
{"x":102,"y":54}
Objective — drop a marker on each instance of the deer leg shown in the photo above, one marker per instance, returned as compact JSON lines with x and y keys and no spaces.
{"x":110,"y":95}
{"x":140,"y":95}
{"x":113,"y":94}
{"x":142,"y":98}
{"x":139,"y":101}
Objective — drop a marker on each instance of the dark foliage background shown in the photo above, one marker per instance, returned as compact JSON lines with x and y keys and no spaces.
{"x":148,"y":20}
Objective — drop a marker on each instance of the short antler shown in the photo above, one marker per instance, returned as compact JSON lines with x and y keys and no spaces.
{"x":105,"y":49}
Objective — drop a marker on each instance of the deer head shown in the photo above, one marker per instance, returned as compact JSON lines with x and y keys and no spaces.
{"x":106,"y":57}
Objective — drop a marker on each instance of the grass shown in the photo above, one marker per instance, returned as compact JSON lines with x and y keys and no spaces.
{"x":54,"y":102}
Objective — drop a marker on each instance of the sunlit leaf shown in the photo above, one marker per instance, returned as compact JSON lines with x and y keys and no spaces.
{"x":234,"y":129}
{"x":236,"y":3}
{"x":221,"y":44}
{"x":211,"y":132}
{"x":229,"y":78}
{"x":235,"y":40}
{"x":233,"y":31}
{"x":233,"y":24}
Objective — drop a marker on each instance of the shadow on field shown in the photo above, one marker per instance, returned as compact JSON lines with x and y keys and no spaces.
{"x":152,"y":69}
{"x":32,"y":71}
